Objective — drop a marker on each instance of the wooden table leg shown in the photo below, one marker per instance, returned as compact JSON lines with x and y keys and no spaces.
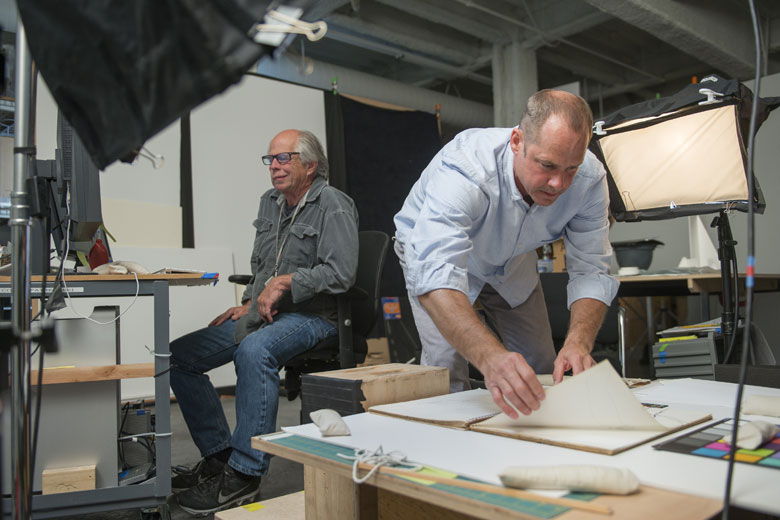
{"x":333,"y":497}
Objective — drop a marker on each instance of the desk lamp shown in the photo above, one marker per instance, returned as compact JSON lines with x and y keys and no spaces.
{"x":684,"y":155}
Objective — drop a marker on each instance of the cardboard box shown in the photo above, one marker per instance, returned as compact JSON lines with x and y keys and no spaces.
{"x":354,"y":390}
{"x":378,"y":352}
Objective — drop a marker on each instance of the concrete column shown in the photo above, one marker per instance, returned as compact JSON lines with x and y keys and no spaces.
{"x":514,"y":81}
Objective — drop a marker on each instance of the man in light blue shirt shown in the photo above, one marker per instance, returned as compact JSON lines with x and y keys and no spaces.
{"x":468,"y":232}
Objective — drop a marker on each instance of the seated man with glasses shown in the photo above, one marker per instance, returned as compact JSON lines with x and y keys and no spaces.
{"x":305,"y":252}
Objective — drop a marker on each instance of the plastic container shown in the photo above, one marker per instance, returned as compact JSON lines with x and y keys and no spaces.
{"x":544,"y":265}
{"x":637,"y":253}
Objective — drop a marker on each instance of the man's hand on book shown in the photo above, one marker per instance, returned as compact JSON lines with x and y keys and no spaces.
{"x":574,"y":357}
{"x":511,"y":381}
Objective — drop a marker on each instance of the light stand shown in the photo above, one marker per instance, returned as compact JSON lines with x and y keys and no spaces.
{"x":727,"y":257}
{"x":20,"y":284}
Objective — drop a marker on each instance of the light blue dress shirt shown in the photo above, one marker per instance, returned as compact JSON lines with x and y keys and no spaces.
{"x":465,"y":224}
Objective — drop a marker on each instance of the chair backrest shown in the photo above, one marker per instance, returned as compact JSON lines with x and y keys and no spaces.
{"x":371,"y":263}
{"x":556,"y":297}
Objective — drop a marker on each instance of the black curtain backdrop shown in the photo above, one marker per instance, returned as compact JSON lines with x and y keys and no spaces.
{"x":376,"y":155}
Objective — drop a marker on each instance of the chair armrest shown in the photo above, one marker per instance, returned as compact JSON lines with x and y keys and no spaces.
{"x":241,"y":279}
{"x":354,"y":293}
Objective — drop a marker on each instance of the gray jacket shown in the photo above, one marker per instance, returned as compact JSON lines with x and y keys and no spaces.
{"x":321,"y":251}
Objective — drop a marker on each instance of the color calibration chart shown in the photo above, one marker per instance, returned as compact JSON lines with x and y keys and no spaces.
{"x":708,"y":442}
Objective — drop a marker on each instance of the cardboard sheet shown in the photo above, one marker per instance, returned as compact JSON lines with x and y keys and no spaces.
{"x":452,"y":410}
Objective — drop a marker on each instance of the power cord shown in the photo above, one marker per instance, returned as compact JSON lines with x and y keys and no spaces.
{"x":751,"y":263}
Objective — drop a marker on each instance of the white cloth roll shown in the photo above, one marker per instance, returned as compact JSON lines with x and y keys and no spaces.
{"x":329,"y":422}
{"x":591,"y":479}
{"x":753,"y":434}
{"x":761,"y":405}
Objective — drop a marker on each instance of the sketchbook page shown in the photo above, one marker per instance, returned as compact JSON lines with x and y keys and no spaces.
{"x":457,"y":410}
{"x":594,"y":399}
{"x":606,"y":441}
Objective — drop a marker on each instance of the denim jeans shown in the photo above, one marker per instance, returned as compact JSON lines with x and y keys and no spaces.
{"x":257,"y":360}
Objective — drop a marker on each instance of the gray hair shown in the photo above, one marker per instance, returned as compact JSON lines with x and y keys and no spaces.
{"x":311,"y":151}
{"x":546,"y":103}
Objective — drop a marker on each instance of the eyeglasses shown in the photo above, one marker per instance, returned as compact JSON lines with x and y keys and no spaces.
{"x":281,"y":158}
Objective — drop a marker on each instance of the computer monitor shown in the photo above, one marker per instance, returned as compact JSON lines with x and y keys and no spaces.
{"x":77,"y":176}
{"x":73,"y":193}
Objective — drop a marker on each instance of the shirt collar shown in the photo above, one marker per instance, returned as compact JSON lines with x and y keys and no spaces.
{"x":507,"y":166}
{"x":314,"y":191}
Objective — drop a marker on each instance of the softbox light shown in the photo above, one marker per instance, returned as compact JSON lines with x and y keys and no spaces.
{"x":680,"y":155}
{"x":121,"y":71}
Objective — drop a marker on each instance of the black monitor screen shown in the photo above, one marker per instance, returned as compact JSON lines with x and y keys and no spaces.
{"x":75,"y":192}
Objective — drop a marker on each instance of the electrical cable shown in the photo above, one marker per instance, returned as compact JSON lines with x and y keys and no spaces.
{"x":37,"y":423}
{"x":125,"y":410}
{"x":735,"y":277}
{"x":61,"y":277}
{"x":751,"y":261}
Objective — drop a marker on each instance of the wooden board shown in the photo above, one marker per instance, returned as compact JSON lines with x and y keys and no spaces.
{"x":65,"y":480}
{"x":394,"y":382}
{"x":699,"y":282}
{"x":285,"y":507}
{"x":188,"y":279}
{"x":97,"y":373}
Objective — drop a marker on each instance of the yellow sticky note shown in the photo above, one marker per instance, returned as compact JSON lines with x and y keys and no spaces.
{"x":677,"y":338}
{"x":254,"y":506}
{"x":426,"y":470}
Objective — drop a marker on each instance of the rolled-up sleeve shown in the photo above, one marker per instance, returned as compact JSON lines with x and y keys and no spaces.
{"x":588,"y":251}
{"x":438,"y":247}
{"x":337,"y":255}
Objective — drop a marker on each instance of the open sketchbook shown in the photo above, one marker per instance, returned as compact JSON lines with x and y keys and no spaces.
{"x":592,"y":411}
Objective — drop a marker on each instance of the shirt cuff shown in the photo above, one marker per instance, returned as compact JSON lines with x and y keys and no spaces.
{"x":424,"y":277}
{"x":597,"y":286}
{"x":299,"y":290}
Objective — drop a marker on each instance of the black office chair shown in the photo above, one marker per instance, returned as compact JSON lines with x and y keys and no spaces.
{"x":358,"y":310}
{"x":555,"y":298}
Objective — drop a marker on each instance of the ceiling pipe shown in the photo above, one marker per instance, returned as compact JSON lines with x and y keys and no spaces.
{"x":455,"y":111}
{"x":519,"y":23}
{"x":407,"y":56}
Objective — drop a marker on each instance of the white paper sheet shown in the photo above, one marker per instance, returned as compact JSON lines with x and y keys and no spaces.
{"x":699,"y":392}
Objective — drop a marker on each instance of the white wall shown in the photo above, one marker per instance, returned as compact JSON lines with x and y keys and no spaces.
{"x":229,"y":135}
{"x":674,"y":233}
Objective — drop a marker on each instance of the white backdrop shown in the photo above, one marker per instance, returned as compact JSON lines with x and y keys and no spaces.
{"x":229,"y":135}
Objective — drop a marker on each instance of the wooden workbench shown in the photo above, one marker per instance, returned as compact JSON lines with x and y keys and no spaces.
{"x":331,"y":494}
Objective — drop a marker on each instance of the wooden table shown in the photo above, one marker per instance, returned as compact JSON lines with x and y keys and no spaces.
{"x":688,"y":284}
{"x":331,"y":495}
{"x":187,"y":279}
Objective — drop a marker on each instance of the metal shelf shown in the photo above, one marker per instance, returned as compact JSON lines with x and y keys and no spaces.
{"x":155,"y":491}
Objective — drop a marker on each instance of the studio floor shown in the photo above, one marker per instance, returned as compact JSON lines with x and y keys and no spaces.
{"x":283,"y":477}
